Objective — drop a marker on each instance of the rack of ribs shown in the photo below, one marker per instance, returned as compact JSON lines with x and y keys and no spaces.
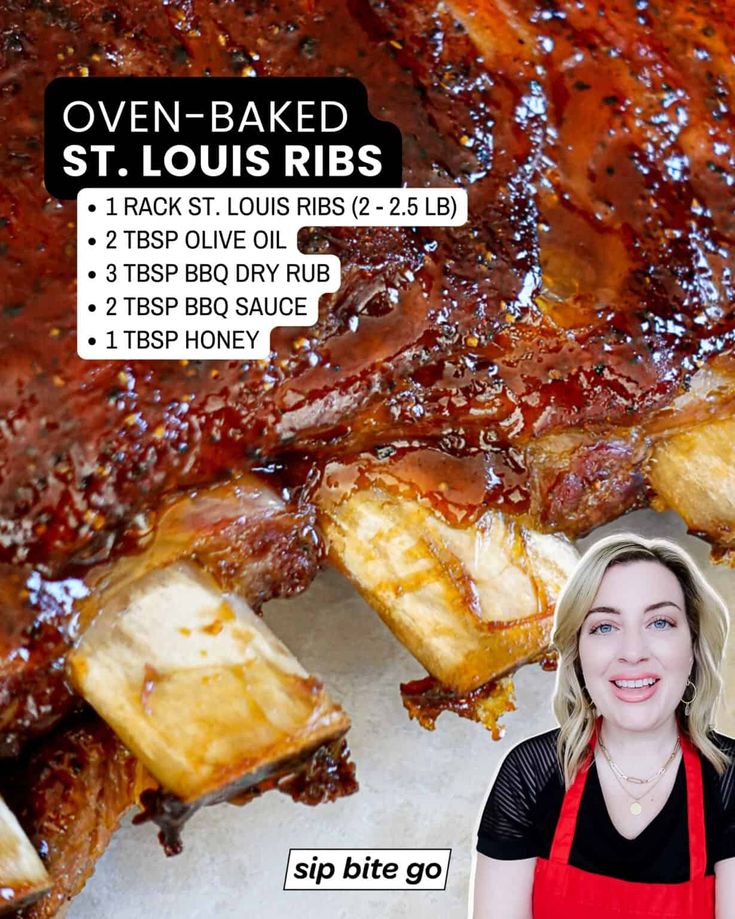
{"x":470,"y":400}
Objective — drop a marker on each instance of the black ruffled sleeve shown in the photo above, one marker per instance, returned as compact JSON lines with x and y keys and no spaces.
{"x":509,"y":824}
{"x":724,"y":843}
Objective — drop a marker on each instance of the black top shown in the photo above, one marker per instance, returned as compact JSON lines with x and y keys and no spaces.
{"x":524,"y":804}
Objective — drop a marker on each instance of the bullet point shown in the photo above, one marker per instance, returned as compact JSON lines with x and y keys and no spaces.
{"x":91,"y":307}
{"x":93,"y":207}
{"x":92,"y":274}
{"x":92,"y":240}
{"x":93,"y":341}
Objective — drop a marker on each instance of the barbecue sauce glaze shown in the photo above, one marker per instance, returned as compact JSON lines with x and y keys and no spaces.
{"x":593,"y":278}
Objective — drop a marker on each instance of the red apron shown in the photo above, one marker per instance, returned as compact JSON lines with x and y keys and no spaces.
{"x":561,"y":891}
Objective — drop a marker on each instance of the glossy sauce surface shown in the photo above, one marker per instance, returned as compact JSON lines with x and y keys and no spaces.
{"x":592,"y":280}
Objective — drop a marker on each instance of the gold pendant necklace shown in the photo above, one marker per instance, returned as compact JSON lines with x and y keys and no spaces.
{"x":630,"y":778}
{"x":635,"y":806}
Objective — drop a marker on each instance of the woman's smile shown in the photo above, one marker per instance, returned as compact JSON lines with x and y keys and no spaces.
{"x":635,"y":688}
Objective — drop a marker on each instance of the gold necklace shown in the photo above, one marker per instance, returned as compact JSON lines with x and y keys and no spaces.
{"x":630,"y":778}
{"x":635,"y":807}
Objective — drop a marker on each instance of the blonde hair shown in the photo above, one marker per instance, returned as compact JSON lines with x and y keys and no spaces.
{"x":708,"y":621}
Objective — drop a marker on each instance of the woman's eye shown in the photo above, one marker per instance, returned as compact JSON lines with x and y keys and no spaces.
{"x":661,"y":624}
{"x":604,"y":628}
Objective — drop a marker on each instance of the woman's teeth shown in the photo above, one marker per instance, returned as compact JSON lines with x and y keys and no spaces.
{"x":635,"y":684}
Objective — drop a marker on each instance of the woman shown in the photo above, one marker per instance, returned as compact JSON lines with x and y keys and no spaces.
{"x":628,"y":808}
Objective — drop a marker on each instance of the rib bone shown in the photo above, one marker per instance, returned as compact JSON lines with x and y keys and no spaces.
{"x":693,"y":472}
{"x":470,"y":603}
{"x":197,"y":686}
{"x":23,"y":877}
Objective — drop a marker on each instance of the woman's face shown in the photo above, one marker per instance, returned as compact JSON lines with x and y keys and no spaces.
{"x":635,"y":645}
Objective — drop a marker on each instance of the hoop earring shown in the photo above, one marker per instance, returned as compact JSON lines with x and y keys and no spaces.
{"x":688,"y":702}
